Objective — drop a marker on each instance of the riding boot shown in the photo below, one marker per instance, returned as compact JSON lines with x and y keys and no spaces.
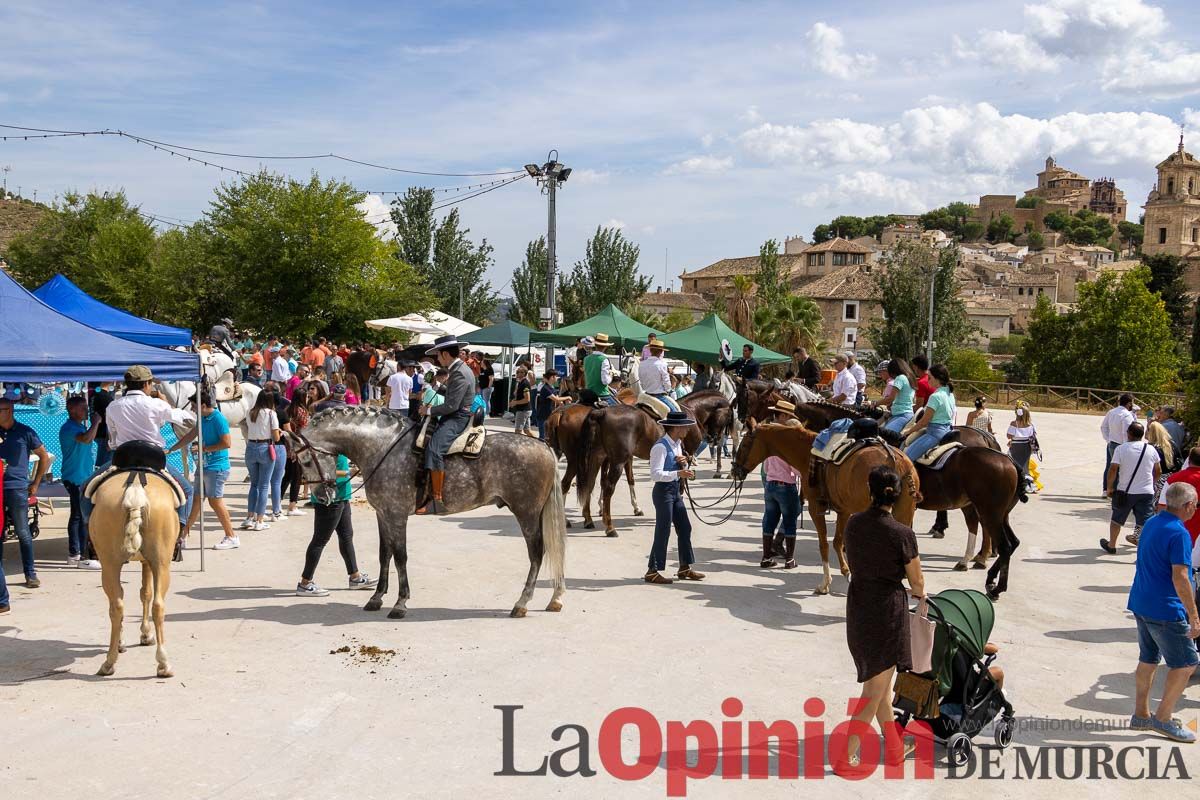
{"x":178,"y":554}
{"x":768,"y":560}
{"x":439,"y":479}
{"x":789,"y":552}
{"x":777,"y":545}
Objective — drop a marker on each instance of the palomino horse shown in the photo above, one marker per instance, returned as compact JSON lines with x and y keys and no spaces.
{"x":135,"y":522}
{"x":845,"y":485}
{"x":513,"y":471}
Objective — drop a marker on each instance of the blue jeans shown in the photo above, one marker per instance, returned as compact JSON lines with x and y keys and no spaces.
{"x":541,"y":423}
{"x":782,"y":503}
{"x":610,"y":399}
{"x":669,"y":510}
{"x":85,"y":505}
{"x":258,"y":461}
{"x":103,"y":454}
{"x":77,"y":532}
{"x":214,"y":482}
{"x":666,"y":398}
{"x":896,"y":423}
{"x":16,"y":511}
{"x":278,"y":466}
{"x":1165,"y":640}
{"x":927,"y":440}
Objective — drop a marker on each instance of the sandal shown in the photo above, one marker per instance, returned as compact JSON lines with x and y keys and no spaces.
{"x":689,"y":574}
{"x":656,"y":577}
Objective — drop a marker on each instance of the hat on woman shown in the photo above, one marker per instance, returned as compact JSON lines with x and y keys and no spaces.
{"x":882,"y":366}
{"x":601,"y":340}
{"x":677,"y":418}
{"x":442,"y":342}
{"x":587,"y":342}
{"x":783,"y":407}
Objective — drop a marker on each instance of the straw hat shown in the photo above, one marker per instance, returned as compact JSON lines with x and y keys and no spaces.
{"x":601,"y":340}
{"x":783,"y":407}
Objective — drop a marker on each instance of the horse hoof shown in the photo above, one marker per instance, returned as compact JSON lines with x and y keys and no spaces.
{"x":121,"y":648}
{"x":397,"y":613}
{"x":374,"y":604}
{"x":589,"y":525}
{"x":610,"y":533}
{"x":165,"y":672}
{"x":717,"y":476}
{"x":821,"y":590}
{"x":845,"y":572}
{"x":639,"y":513}
{"x":555,"y":605}
{"x":960,"y":567}
{"x":977,"y":564}
{"x":936,"y":534}
{"x":146,"y":641}
{"x":517,"y":613}
{"x":105,"y":670}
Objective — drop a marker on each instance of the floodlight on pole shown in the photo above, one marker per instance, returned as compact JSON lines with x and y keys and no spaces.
{"x":549,"y":176}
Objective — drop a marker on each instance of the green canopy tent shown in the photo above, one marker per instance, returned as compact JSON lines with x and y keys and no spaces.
{"x":621,"y":329}
{"x":702,"y":343}
{"x":502,"y":334}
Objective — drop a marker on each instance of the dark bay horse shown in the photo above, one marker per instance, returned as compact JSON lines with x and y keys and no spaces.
{"x":562,"y":434}
{"x":513,"y":471}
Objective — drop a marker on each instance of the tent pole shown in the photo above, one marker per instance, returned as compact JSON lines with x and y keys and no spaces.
{"x":200,"y":463}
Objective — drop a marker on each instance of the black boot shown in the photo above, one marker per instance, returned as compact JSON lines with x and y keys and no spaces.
{"x":777,"y":545}
{"x":178,"y":554}
{"x":768,"y":560}
{"x":789,"y":552}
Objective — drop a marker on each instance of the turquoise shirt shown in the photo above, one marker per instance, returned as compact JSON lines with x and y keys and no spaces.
{"x":903,"y":404}
{"x":343,"y":484}
{"x":215,"y":426}
{"x":941,"y":403}
{"x":79,"y":460}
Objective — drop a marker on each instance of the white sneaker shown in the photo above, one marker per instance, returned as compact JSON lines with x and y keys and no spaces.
{"x":261,"y":526}
{"x":247,"y":523}
{"x":228,"y":544}
{"x":89,"y":563}
{"x":311,"y":590}
{"x":296,"y":512}
{"x":73,"y":561}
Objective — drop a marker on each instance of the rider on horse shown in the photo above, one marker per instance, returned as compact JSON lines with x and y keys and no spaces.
{"x":655,"y":377}
{"x":454,"y":413}
{"x":221,"y":335}
{"x":597,"y":371}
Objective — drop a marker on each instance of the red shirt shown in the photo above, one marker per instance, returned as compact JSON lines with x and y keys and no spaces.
{"x":924,"y":390}
{"x":1190,"y":475}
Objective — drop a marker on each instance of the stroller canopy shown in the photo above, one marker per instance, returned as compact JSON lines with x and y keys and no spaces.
{"x":969,"y":616}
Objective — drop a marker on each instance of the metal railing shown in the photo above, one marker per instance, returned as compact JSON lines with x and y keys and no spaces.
{"x":1059,"y":398}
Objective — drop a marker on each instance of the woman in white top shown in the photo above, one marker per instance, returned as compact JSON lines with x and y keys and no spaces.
{"x":1021,"y":438}
{"x":667,"y":465}
{"x":262,"y":432}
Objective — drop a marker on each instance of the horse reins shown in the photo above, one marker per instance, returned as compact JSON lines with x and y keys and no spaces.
{"x":307,"y":445}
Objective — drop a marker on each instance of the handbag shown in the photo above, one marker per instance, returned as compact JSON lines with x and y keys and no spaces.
{"x":917,"y":695}
{"x":1121,"y":496}
{"x":271,"y":450}
{"x":920,"y":636}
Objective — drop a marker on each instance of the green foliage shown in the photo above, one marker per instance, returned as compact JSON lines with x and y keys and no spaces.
{"x":456,"y":274}
{"x":772,"y":284}
{"x":676,"y":320}
{"x":529,"y":285}
{"x":972,"y":231}
{"x":790,"y":322}
{"x":1131,"y":234}
{"x":822,"y":233}
{"x":1006,"y":345}
{"x":607,"y":274}
{"x":1036,"y":241}
{"x":1084,"y":227}
{"x":1056,"y":220}
{"x":413,"y":216}
{"x":646,"y":316}
{"x":967,"y":364}
{"x":903,"y":288}
{"x":1166,"y":278}
{"x":1118,"y":337}
{"x":1196,"y":335}
{"x":1029,"y":201}
{"x":851,"y":227}
{"x":953,"y":219}
{"x":1000,"y":229}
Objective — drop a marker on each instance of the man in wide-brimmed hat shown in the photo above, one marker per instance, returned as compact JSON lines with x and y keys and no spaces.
{"x":782,"y":498}
{"x":453,"y":413}
{"x":655,"y":376}
{"x":597,"y":371}
{"x":667,"y":465}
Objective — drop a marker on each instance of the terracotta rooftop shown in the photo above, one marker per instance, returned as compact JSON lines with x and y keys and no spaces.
{"x":747,"y":265}
{"x":839,"y":245}
{"x":1033,"y":279}
{"x":674,"y":300}
{"x":989,"y":307}
{"x":844,"y":283}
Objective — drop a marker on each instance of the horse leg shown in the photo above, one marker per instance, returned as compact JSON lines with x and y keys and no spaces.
{"x":568,"y":476}
{"x":839,"y":546}
{"x":585,"y":493}
{"x":147,"y":594}
{"x":531,"y":530}
{"x":608,"y":485}
{"x":817,"y":512}
{"x":161,"y":575}
{"x":972,"y":517}
{"x":110,"y":579}
{"x":385,"y":567}
{"x":637,"y":512}
{"x":398,"y":535}
{"x":985,"y":546}
{"x":1006,"y":544}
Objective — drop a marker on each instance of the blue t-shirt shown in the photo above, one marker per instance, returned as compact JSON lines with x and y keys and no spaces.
{"x":941,"y":403}
{"x":1164,"y":544}
{"x":78,"y":460}
{"x":478,"y":404}
{"x":16,"y":443}
{"x":215,"y":426}
{"x":903,"y":404}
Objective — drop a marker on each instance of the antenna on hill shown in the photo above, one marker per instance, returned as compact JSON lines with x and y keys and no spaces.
{"x":5,"y":169}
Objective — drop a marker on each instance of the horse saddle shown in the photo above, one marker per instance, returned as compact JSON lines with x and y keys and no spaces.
{"x":937,"y":457}
{"x":653,"y":406}
{"x":140,"y":453}
{"x":840,"y":447}
{"x":469,"y":443}
{"x":134,"y":473}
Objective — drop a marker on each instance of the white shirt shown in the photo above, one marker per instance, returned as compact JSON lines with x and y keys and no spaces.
{"x":264,"y":427}
{"x":661,"y":459}
{"x":1115,"y":427}
{"x":135,"y":416}
{"x":1126,"y":457}
{"x":400,"y":385}
{"x":654,"y":376}
{"x":1021,"y":434}
{"x":860,"y":374}
{"x":845,"y":384}
{"x":280,"y":371}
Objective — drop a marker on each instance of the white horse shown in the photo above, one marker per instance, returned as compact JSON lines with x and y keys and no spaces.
{"x":800,"y":393}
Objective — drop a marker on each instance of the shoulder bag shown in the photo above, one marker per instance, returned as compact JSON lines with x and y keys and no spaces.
{"x":1121,"y":496}
{"x":920,"y":635}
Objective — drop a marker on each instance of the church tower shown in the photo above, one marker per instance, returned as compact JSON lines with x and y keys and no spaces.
{"x":1173,"y":212}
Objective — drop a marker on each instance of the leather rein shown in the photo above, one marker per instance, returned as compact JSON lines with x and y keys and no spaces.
{"x":323,"y":478}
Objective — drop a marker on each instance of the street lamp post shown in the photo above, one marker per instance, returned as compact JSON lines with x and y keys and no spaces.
{"x":549,"y":176}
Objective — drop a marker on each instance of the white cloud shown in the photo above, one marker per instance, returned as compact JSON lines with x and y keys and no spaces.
{"x":827,"y":53}
{"x":1016,"y":50}
{"x":618,"y":224}
{"x":706,"y":140}
{"x":869,"y":189}
{"x":376,"y":211}
{"x":833,"y":141}
{"x":700,"y":165}
{"x":588,"y":177}
{"x":1141,"y":73}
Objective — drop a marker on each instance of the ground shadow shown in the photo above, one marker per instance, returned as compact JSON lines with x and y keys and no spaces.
{"x":23,"y":660}
{"x":336,"y":613}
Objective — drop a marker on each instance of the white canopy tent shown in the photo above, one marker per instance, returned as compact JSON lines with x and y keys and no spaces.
{"x":428,"y":327}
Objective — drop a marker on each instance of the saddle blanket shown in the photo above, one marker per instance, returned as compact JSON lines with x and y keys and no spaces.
{"x":937,"y":457}
{"x":95,"y":483}
{"x":652,"y":405}
{"x":469,"y":443}
{"x":839,"y":447}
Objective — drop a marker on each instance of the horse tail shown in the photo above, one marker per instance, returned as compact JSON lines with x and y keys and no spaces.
{"x":552,"y":435}
{"x":585,"y":478}
{"x":135,"y":503}
{"x":554,"y":531}
{"x":1022,"y":493}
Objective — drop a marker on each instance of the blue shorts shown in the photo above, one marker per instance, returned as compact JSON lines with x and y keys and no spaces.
{"x":1165,"y":640}
{"x":1142,"y":506}
{"x":214,"y":482}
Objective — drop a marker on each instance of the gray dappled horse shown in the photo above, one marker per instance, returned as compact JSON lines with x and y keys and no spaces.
{"x":514,"y":471}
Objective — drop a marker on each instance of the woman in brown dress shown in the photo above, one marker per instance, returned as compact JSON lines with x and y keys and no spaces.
{"x":881,"y":553}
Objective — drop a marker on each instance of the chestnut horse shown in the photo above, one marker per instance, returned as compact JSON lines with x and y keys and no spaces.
{"x":845,"y":484}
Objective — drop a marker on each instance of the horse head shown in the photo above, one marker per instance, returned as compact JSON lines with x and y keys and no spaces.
{"x":317,"y":464}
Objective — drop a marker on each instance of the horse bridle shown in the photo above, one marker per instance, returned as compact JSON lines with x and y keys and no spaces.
{"x":324,"y":480}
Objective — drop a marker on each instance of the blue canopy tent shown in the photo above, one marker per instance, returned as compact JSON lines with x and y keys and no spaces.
{"x":68,"y":299}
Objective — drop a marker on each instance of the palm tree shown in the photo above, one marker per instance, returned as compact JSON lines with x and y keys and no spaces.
{"x":739,"y":307}
{"x":796,"y":322}
{"x":646,"y":316}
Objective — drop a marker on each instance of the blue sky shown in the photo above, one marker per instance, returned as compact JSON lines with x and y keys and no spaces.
{"x":699,"y":128}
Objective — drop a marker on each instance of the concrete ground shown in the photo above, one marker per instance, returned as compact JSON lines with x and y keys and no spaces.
{"x":263,"y":703}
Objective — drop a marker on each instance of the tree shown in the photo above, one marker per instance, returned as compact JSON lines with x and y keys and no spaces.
{"x":1046,"y":351}
{"x":607,"y":274}
{"x":676,"y":320}
{"x":648,"y":317}
{"x":972,"y":231}
{"x":1131,"y":234}
{"x":1036,"y":241}
{"x":739,"y":309}
{"x":1029,"y":201}
{"x":1196,"y":333}
{"x":1084,"y":227}
{"x":903,"y":288}
{"x":792,"y":322}
{"x":413,"y":217}
{"x":772,"y":285}
{"x":1056,"y":220}
{"x":456,"y":275}
{"x":1000,"y":229}
{"x":822,"y":233}
{"x":968,"y":364}
{"x":1166,"y":278}
{"x":529,"y":285}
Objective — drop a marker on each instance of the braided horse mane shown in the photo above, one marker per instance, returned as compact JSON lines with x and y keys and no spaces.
{"x":347,"y":413}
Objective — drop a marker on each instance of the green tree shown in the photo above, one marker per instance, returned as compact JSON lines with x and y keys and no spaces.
{"x":972,"y":231}
{"x":607,"y":274}
{"x":648,"y":317}
{"x":1028,"y":201}
{"x":1000,"y":229}
{"x":1046,"y":350}
{"x":847,"y":226}
{"x":967,"y":364}
{"x":529,"y":285}
{"x":676,"y":320}
{"x":903,"y":288}
{"x":1056,"y":220}
{"x":456,"y":275}
{"x":413,"y":217}
{"x":1036,"y":241}
{"x":1131,"y":234}
{"x":772,"y":283}
{"x":1166,"y":278}
{"x":740,"y":307}
{"x":822,"y":233}
{"x":793,"y":321}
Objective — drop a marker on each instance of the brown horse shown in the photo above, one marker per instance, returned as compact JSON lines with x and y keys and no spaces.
{"x":562,"y":434}
{"x":844,"y":485}
{"x":135,"y":523}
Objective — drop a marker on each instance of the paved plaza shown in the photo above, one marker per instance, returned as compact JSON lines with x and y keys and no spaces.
{"x":275,"y":696}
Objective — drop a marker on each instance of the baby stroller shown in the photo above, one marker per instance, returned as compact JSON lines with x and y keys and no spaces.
{"x":967,"y":697}
{"x":35,"y":525}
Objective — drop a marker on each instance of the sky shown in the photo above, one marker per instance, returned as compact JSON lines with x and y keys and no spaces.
{"x":701,"y":129}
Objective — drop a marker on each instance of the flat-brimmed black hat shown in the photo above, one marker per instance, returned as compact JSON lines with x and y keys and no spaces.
{"x":677,"y":418}
{"x":442,"y":342}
